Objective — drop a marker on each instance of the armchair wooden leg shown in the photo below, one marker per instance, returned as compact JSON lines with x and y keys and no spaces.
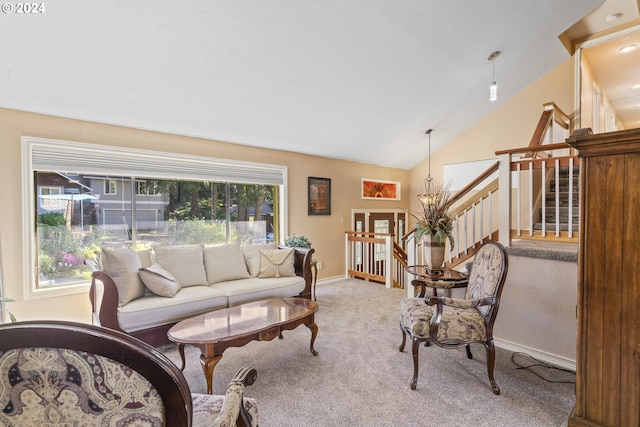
{"x":491,"y":360}
{"x":404,"y":340}
{"x":415,"y":346}
{"x":469,"y":355}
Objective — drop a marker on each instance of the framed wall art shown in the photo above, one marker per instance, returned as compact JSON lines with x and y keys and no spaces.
{"x":319,"y":201}
{"x":376,"y":189}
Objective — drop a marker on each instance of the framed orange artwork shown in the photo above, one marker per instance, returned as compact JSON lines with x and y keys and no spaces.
{"x":376,"y":189}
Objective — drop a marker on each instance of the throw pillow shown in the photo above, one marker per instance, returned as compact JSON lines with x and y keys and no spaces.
{"x":122,"y":265}
{"x":186,"y":263}
{"x":224,"y":262}
{"x":159,"y":281}
{"x":146,"y":258}
{"x":277,"y":263}
{"x":252,"y":256}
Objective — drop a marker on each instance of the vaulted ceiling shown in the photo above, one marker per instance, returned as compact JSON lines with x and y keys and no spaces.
{"x":343,"y":79}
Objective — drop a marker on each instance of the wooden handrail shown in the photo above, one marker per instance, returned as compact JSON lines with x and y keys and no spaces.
{"x":547,"y":147}
{"x":492,"y":187}
{"x":551,"y":113}
{"x":467,"y":188}
{"x":541,"y":128}
{"x":562,"y":118}
{"x":526,"y":164}
{"x":370,"y":233}
{"x":484,"y":175}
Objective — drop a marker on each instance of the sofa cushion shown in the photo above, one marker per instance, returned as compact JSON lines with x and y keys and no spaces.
{"x":159,"y":281}
{"x":224,"y":262}
{"x":186,"y":263}
{"x":122,"y":264}
{"x":153,"y":310}
{"x":252,"y":256}
{"x":253,"y":289}
{"x":146,"y":256}
{"x":277,"y":263}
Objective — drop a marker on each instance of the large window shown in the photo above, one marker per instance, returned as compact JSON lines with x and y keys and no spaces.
{"x":167,"y":200}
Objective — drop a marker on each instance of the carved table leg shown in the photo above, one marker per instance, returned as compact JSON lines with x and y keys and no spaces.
{"x":181,"y":351}
{"x":314,"y":333}
{"x":208,"y":365}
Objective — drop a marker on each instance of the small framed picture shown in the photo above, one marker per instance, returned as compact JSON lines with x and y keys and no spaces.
{"x":319,"y":196}
{"x":381,"y":190}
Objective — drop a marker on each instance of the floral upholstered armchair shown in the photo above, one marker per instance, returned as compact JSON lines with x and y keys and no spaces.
{"x":72,"y":374}
{"x":455,"y":323}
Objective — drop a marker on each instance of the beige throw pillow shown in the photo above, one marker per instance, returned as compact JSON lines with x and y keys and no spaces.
{"x":186,"y":263}
{"x":277,"y":263}
{"x":252,"y":256}
{"x":224,"y":262}
{"x":122,"y":265}
{"x":159,"y":281}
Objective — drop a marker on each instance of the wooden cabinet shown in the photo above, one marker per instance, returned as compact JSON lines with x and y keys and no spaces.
{"x":608,"y":357}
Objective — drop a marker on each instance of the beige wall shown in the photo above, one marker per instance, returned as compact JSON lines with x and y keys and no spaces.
{"x":588,"y":84}
{"x":325,"y":232}
{"x":538,"y":311}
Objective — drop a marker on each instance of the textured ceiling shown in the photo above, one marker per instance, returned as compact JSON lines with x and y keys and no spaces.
{"x":343,"y":79}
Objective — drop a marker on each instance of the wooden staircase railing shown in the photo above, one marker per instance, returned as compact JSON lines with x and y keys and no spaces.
{"x":473,"y":208}
{"x":535,"y":156}
{"x":549,"y":170}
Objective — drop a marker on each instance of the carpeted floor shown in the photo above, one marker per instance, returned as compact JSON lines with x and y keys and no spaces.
{"x":360,"y":378}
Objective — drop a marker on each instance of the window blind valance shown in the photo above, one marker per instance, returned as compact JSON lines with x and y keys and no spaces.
{"x":78,"y":157}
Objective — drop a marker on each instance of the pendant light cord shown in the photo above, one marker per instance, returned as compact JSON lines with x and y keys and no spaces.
{"x":429,"y":133}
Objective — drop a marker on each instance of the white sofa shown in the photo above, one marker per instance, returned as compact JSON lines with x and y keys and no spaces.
{"x":144,"y":293}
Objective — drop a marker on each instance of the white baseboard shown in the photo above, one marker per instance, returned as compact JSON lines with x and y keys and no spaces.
{"x":551,"y":359}
{"x":330,"y":279}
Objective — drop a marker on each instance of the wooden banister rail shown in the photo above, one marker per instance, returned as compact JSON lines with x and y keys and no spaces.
{"x":551,"y":113}
{"x":526,"y":164}
{"x":492,"y":187}
{"x":484,"y":175}
{"x":541,"y":128}
{"x":562,"y":118}
{"x":547,"y":147}
{"x":370,"y":256}
{"x":464,"y":191}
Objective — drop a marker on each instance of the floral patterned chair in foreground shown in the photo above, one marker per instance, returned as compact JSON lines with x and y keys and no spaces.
{"x":455,"y":323}
{"x":64,"y":373}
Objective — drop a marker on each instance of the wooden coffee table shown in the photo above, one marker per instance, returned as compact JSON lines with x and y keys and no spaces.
{"x":264,"y":320}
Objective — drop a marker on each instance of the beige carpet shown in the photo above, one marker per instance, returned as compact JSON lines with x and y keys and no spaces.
{"x":360,"y":378}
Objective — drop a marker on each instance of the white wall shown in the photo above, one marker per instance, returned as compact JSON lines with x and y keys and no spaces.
{"x":537,"y":312}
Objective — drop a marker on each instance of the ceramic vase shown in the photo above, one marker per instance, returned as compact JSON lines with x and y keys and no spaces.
{"x":433,"y":254}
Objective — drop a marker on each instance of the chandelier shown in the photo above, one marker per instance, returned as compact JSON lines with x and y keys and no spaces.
{"x":431,"y":193}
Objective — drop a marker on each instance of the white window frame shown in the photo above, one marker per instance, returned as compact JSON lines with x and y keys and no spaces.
{"x":144,"y":185}
{"x":110,"y":187}
{"x":60,"y":190}
{"x":81,"y":157}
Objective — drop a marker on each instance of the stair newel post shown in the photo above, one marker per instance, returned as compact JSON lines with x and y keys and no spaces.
{"x":570,"y":198}
{"x":543,"y":186}
{"x":557,"y":188}
{"x":504,"y":199}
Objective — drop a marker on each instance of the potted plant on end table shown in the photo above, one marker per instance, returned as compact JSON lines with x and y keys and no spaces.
{"x":433,"y":224}
{"x":295,"y":241}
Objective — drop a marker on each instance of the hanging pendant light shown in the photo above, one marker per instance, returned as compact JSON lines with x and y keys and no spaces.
{"x":431,"y":194}
{"x":493,"y":88}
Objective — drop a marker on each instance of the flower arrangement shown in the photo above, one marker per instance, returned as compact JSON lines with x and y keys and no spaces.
{"x":297,"y":242}
{"x":434,"y":219}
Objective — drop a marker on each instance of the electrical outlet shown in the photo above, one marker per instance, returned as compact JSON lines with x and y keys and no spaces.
{"x":319,"y":265}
